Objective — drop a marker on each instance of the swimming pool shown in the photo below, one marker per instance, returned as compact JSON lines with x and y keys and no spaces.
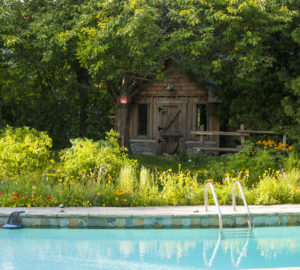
{"x":63,"y":249}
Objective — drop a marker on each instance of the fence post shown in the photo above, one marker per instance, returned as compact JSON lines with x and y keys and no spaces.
{"x":242,"y":127}
{"x":284,"y":139}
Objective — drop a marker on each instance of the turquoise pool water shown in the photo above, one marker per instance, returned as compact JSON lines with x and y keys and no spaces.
{"x":63,"y":249}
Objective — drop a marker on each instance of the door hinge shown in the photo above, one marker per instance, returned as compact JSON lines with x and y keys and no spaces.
{"x":159,"y":128}
{"x":162,"y":109}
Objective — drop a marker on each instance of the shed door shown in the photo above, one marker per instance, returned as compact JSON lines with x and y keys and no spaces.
{"x":170,"y":127}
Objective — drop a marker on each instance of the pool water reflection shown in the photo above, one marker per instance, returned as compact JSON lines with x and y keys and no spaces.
{"x":62,"y":249}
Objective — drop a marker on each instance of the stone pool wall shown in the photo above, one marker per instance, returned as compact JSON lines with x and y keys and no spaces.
{"x":152,"y":218}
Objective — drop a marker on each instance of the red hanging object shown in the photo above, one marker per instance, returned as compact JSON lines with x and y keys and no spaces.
{"x":124,"y":100}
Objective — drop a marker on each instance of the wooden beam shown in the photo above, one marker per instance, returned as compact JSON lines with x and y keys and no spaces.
{"x":170,"y":134}
{"x":223,"y":133}
{"x":219,"y":149}
{"x":171,"y":118}
{"x":257,"y":131}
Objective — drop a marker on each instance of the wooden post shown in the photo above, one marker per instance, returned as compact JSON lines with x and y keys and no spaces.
{"x":202,"y":138}
{"x":284,"y":139}
{"x":242,"y":127}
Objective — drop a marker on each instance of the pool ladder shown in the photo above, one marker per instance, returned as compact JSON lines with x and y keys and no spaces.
{"x":230,"y":233}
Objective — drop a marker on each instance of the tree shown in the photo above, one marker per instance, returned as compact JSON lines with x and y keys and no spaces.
{"x":132,"y":41}
{"x":70,"y":48}
{"x":53,"y":90}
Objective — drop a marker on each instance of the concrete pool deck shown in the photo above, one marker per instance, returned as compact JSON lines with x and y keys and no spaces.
{"x":154,"y":217}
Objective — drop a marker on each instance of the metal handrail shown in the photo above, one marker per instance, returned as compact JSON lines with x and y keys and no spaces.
{"x":216,"y":202}
{"x":242,"y":253}
{"x":210,"y":262}
{"x":244,"y":200}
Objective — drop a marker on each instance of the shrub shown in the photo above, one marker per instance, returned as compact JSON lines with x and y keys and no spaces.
{"x":178,"y":188}
{"x":23,"y":150}
{"x":101,"y":158}
{"x":270,"y":190}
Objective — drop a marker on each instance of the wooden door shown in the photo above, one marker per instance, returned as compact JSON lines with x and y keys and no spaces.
{"x":171,"y":127}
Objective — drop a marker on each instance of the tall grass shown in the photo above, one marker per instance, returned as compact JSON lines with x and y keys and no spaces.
{"x":127,"y":178}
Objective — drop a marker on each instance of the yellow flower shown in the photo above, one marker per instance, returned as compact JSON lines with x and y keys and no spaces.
{"x":60,"y":180}
{"x":51,"y":161}
{"x":109,"y":181}
{"x":247,"y":171}
{"x":227,"y":174}
{"x":34,"y":188}
{"x":116,"y":198}
{"x":170,"y":170}
{"x":278,"y":172}
{"x":125,"y":200}
{"x":99,"y":193}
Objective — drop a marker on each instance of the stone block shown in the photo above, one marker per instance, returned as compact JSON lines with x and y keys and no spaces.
{"x":45,"y":222}
{"x":121,"y":222}
{"x":63,"y":222}
{"x":34,"y":222}
{"x":229,"y":221}
{"x":195,"y":222}
{"x":258,"y":221}
{"x":73,"y":223}
{"x":176,"y":222}
{"x":186,"y":222}
{"x":241,"y":221}
{"x":54,"y":222}
{"x":111,"y":222}
{"x":149,"y":222}
{"x":283,"y":220}
{"x":129,"y":223}
{"x":292,"y":220}
{"x":139,"y":222}
{"x":82,"y":222}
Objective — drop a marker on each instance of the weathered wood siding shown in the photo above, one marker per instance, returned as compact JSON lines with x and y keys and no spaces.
{"x":178,"y":118}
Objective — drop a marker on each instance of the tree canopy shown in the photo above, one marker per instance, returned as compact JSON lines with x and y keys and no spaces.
{"x":71,"y":53}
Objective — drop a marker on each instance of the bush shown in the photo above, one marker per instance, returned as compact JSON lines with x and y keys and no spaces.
{"x":101,"y":158}
{"x":23,"y":150}
{"x":272,"y":191}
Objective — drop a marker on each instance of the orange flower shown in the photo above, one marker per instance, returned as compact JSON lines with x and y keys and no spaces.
{"x":295,"y":186}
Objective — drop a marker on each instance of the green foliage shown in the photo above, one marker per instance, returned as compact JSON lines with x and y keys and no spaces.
{"x":249,"y":158}
{"x":42,"y":84}
{"x":85,"y":155}
{"x":23,"y":150}
{"x":271,"y":191}
{"x":142,"y":188}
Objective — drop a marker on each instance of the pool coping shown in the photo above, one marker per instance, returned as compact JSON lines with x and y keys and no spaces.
{"x":154,"y":217}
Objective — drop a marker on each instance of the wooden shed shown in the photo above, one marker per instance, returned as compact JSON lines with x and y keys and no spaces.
{"x":163,"y":115}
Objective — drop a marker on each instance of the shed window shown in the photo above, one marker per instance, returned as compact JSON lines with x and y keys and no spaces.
{"x":142,"y":119}
{"x":201,"y":117}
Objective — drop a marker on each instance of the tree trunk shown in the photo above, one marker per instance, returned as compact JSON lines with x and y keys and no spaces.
{"x":1,"y":120}
{"x":83,"y":80}
{"x":122,"y":113}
